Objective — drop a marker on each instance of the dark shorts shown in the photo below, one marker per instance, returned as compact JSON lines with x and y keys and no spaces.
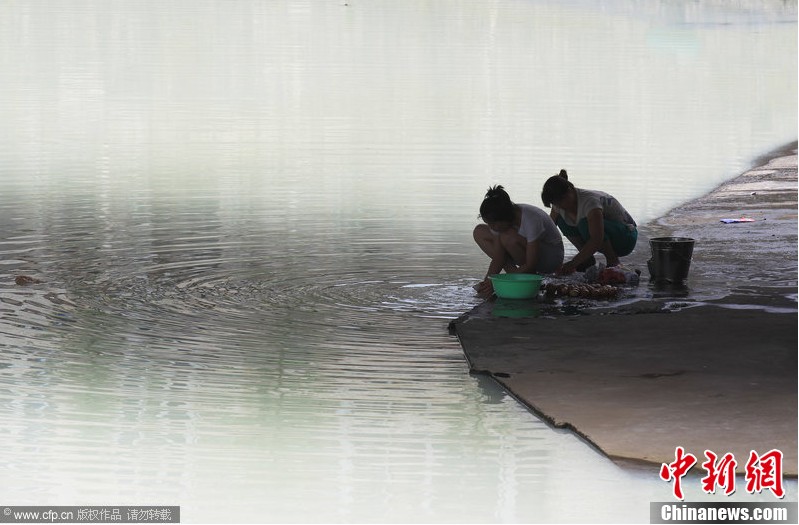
{"x":619,"y":234}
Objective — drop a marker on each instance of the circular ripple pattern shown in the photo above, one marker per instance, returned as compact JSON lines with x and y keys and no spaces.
{"x":227,"y":287}
{"x":197,"y":293}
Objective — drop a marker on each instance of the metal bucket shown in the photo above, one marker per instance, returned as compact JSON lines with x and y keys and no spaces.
{"x":671,"y":258}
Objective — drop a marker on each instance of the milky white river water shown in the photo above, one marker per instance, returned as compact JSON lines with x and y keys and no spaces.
{"x":253,"y":220}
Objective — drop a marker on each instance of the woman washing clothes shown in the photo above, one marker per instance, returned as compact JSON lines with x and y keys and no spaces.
{"x":593,"y":221}
{"x":519,"y":238}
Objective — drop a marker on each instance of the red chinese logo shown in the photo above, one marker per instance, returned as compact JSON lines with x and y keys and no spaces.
{"x":720,"y":473}
{"x":676,"y":470}
{"x":761,"y":472}
{"x":765,"y":472}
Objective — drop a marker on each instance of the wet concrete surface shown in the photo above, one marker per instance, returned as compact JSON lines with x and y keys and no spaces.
{"x":707,"y":365}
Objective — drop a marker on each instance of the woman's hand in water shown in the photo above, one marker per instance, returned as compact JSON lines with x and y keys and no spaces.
{"x":484,"y":287}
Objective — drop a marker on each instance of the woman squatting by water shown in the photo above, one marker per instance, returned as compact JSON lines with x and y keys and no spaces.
{"x":592,"y":220}
{"x":519,"y":238}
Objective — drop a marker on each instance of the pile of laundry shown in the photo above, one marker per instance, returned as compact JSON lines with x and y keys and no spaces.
{"x":597,"y":282}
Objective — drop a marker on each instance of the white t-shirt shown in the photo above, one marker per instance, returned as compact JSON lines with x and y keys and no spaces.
{"x":536,"y":224}
{"x":588,"y":200}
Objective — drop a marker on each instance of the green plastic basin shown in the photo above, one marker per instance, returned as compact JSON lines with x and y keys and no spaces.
{"x":516,"y":285}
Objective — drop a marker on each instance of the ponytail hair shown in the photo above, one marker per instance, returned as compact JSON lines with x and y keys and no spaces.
{"x":555,"y":188}
{"x":496,"y":205}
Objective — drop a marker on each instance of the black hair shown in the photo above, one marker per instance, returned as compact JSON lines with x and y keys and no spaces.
{"x":555,"y":188}
{"x":496,"y":205}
